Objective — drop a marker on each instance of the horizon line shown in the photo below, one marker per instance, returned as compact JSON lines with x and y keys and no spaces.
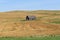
{"x":33,"y":10}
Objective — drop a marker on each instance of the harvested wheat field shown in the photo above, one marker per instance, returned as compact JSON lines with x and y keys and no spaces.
{"x":13,"y":23}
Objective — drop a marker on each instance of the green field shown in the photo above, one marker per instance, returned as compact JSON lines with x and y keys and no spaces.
{"x":31,"y":38}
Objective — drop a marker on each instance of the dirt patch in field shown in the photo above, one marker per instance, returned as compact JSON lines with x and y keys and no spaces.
{"x":28,"y":29}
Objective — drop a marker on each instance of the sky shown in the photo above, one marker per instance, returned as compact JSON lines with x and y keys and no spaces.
{"x":8,"y":5}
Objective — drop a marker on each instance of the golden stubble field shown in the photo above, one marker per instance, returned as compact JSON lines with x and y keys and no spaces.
{"x":13,"y":23}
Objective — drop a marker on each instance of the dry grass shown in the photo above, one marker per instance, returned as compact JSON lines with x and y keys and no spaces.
{"x":13,"y":23}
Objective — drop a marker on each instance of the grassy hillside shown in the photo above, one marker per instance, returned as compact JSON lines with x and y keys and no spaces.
{"x":13,"y":23}
{"x":31,"y":38}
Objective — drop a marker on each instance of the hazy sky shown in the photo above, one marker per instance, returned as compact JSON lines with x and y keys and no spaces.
{"x":6,"y":5}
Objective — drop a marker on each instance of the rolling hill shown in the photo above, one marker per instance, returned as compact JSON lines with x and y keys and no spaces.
{"x":13,"y":23}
